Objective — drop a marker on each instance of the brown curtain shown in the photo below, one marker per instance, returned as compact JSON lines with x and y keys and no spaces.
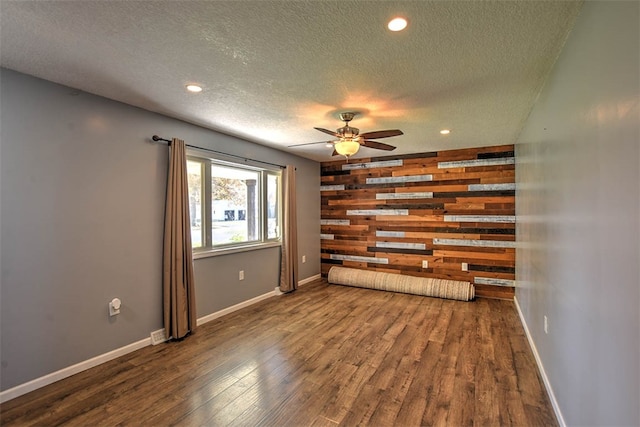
{"x":178,"y":283}
{"x":289,"y":261}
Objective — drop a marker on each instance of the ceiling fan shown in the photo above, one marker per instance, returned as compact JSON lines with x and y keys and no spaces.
{"x":350,"y":139}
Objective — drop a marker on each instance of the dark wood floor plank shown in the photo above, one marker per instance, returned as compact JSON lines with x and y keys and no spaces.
{"x":324,"y":355}
{"x":424,"y":388}
{"x":464,"y":388}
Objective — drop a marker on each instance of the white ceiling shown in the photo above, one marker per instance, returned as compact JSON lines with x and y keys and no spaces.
{"x":273,"y":70}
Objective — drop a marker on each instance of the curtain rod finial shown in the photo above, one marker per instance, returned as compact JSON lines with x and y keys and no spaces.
{"x":157,"y":138}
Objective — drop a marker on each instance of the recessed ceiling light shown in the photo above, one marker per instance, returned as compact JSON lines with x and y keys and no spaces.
{"x":194,"y":88}
{"x":445,"y":131}
{"x":397,"y":24}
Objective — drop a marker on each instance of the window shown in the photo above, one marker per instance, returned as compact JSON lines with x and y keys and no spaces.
{"x":232,"y":205}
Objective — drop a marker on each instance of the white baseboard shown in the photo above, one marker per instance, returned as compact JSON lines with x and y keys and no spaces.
{"x":309,"y":280}
{"x":95,"y":361}
{"x":71,"y":370}
{"x":543,"y":374}
{"x":300,"y":283}
{"x":247,"y":303}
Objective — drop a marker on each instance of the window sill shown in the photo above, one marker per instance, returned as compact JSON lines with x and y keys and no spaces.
{"x":226,"y":251}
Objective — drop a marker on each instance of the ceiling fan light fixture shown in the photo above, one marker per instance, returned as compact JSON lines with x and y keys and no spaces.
{"x":347,"y":147}
{"x":397,"y":24}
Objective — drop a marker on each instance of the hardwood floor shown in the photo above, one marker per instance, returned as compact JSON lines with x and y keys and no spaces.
{"x":324,"y":355}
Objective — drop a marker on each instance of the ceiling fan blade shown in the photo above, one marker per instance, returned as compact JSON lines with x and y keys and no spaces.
{"x":377,"y":145}
{"x":330,"y":132}
{"x":380,"y":134}
{"x":310,"y":143}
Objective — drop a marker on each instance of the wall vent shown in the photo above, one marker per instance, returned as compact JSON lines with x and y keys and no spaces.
{"x":157,"y":337}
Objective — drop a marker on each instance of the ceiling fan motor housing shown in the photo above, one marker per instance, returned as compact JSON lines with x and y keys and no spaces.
{"x":348,"y":132}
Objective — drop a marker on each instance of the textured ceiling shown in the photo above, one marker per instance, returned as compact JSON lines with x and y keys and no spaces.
{"x":273,"y":70}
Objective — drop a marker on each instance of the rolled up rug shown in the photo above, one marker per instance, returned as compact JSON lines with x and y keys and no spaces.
{"x":440,"y":288}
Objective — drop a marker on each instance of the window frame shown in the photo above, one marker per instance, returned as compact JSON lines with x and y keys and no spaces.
{"x":208,"y":247}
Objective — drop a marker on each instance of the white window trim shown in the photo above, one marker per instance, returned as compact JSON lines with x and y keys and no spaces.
{"x":207,"y":253}
{"x":225,"y":249}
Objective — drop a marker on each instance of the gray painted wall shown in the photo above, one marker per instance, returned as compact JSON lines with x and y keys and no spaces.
{"x":82,"y":202}
{"x":578,"y":210}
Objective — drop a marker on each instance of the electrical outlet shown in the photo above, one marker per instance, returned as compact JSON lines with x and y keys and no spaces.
{"x":241,"y":275}
{"x":465,"y":266}
{"x":546,"y":325}
{"x":304,"y":259}
{"x":425,"y":264}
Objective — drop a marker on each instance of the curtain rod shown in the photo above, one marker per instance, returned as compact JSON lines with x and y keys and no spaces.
{"x":168,"y":141}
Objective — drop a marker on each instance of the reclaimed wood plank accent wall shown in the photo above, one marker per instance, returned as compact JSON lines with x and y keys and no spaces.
{"x":445,"y":214}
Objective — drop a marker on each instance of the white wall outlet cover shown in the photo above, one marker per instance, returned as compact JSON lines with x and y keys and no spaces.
{"x":465,"y":266}
{"x":546,"y":325}
{"x":425,"y":264}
